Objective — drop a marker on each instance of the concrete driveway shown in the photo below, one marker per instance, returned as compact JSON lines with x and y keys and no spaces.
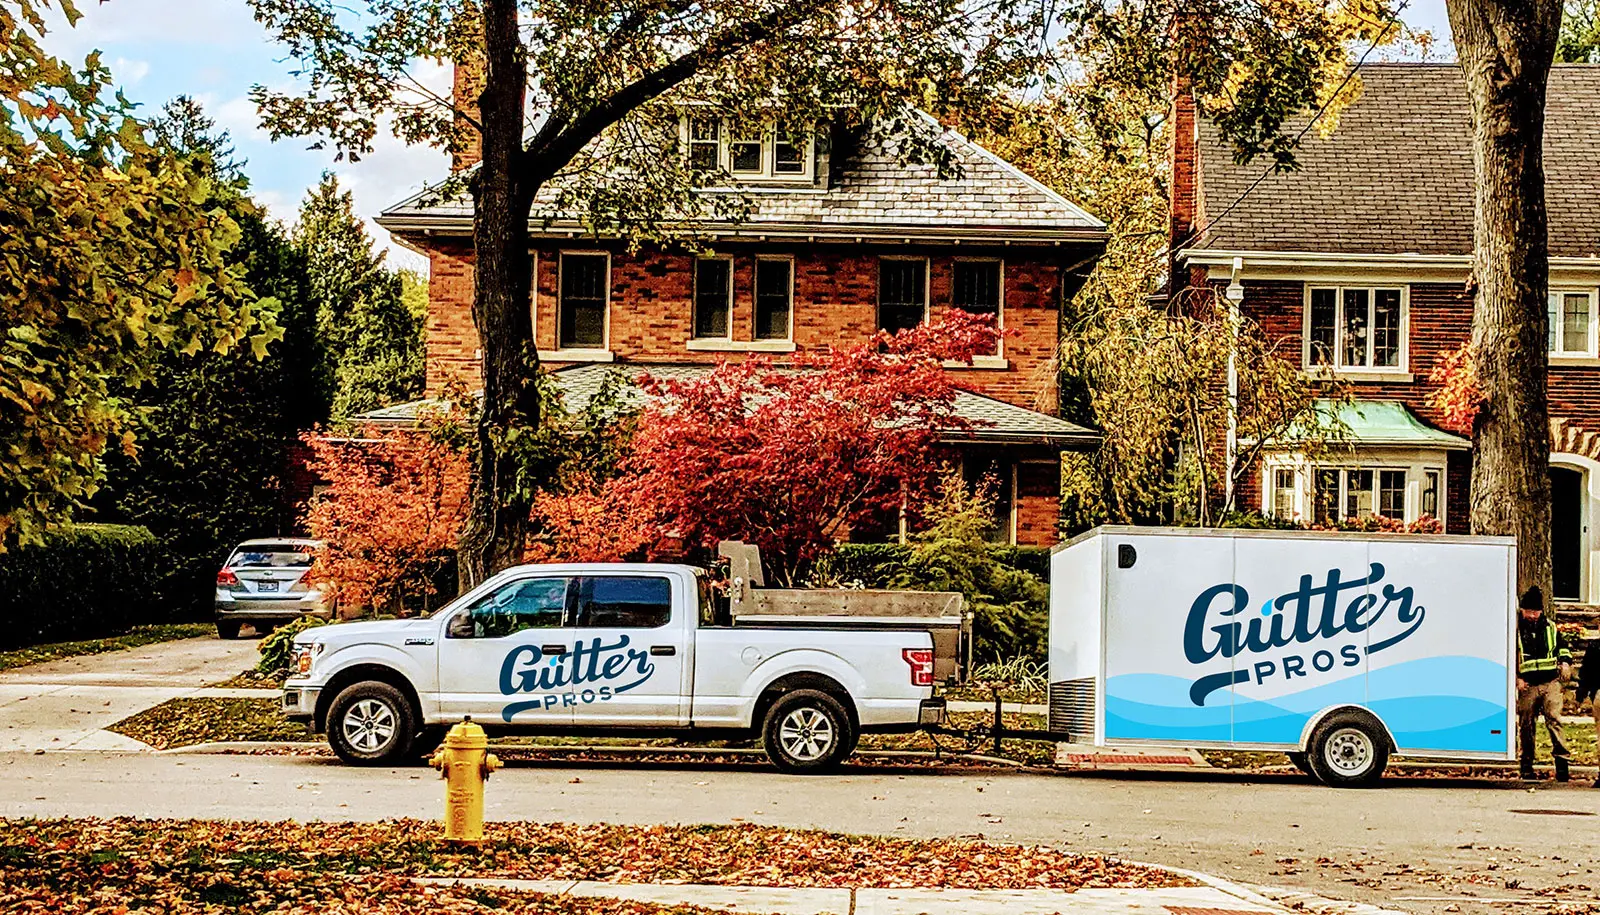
{"x":65,"y":704}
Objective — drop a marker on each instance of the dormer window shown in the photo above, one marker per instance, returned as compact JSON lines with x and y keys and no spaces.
{"x":705,"y":143}
{"x":773,"y":152}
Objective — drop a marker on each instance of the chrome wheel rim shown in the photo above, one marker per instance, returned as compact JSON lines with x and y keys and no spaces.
{"x":369,"y":725}
{"x":1349,"y":751}
{"x":806,"y":734}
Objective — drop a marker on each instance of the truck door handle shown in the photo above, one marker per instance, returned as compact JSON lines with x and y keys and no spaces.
{"x":553,"y":649}
{"x":663,"y":650}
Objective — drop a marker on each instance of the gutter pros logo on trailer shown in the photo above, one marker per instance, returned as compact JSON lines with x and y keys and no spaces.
{"x":595,"y":663}
{"x":1214,"y":629}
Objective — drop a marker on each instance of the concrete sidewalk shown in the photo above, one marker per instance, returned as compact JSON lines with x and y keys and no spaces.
{"x":67,"y":704}
{"x":1214,"y":897}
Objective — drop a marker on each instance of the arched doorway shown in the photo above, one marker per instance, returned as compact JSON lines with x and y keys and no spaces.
{"x":1569,"y":503}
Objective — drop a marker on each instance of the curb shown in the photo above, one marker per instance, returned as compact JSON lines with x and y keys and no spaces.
{"x":1280,"y":897}
{"x":230,"y":747}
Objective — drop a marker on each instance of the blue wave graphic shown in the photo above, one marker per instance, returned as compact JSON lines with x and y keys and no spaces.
{"x":1450,"y":704}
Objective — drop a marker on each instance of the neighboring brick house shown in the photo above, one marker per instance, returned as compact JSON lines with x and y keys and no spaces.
{"x":1359,"y":260}
{"x":843,"y":239}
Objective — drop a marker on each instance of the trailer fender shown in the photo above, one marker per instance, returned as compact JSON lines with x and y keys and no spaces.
{"x":1315,"y":720}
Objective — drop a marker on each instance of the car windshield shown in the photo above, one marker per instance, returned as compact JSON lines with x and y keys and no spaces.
{"x":273,"y":556}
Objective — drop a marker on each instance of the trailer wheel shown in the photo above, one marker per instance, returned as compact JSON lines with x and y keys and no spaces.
{"x":1349,"y":749}
{"x":808,"y":732}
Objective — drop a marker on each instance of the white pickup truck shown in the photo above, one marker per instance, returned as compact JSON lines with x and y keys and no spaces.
{"x":612,"y":648}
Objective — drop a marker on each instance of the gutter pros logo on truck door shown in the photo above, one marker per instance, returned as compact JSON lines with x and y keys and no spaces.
{"x":1297,"y":617}
{"x":596,"y":666}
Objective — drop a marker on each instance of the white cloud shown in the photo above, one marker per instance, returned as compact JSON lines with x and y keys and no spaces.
{"x":129,"y":72}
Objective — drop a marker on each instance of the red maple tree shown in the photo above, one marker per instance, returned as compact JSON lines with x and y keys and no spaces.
{"x":1456,"y":395}
{"x":388,"y":515}
{"x":789,"y":458}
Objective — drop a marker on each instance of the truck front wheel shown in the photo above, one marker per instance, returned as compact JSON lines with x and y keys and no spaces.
{"x":371,"y":724}
{"x":808,"y":732}
{"x":1349,"y":750}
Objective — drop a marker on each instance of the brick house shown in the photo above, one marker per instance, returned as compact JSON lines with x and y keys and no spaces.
{"x":1359,"y":259}
{"x":843,"y":239}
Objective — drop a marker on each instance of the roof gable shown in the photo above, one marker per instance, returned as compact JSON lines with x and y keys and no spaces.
{"x":1396,"y":176}
{"x":871,"y":193}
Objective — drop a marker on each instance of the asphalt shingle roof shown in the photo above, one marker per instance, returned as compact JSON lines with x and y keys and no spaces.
{"x":991,"y":419}
{"x":1396,"y":176}
{"x":869,"y":189}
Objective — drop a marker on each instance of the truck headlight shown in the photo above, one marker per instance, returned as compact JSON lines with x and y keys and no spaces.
{"x":303,"y":655}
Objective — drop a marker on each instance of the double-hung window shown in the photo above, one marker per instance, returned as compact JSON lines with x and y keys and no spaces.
{"x":705,"y":143}
{"x":975,"y":288}
{"x":585,"y":291}
{"x":774,"y":297}
{"x":1572,"y":322}
{"x":713,"y":296}
{"x":1351,"y":327}
{"x":902,"y":293}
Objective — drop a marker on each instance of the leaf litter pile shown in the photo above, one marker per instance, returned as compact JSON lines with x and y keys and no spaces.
{"x":185,"y":866}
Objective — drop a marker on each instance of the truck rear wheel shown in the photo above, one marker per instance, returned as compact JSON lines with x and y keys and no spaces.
{"x":371,"y":724}
{"x":1349,"y":750}
{"x":808,"y":732}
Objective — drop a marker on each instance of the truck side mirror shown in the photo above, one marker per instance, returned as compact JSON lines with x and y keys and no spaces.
{"x":460,"y":626}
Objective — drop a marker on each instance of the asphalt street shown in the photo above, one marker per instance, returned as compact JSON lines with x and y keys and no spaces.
{"x":1419,"y":845}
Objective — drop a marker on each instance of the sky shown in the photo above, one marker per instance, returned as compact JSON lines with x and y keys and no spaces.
{"x":215,"y":51}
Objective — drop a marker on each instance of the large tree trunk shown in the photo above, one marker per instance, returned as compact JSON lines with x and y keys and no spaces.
{"x":494,"y":533}
{"x":1506,"y":48}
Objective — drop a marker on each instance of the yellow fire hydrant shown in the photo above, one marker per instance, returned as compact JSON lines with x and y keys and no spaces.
{"x":464,"y":762}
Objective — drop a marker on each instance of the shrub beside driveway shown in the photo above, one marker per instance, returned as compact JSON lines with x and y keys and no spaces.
{"x":182,"y":867}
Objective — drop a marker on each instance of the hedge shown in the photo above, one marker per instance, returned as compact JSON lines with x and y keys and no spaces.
{"x":85,"y":581}
{"x":1007,"y":594}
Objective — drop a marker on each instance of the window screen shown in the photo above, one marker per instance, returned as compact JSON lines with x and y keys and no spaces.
{"x":902,"y":294}
{"x":624,"y":602}
{"x":773,"y":299}
{"x":713,"y":280}
{"x":583,"y":300}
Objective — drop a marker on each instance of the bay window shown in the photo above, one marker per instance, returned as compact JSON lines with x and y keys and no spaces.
{"x":1328,"y":496}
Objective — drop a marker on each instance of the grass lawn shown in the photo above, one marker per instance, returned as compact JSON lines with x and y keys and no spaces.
{"x":183,"y":866}
{"x":184,"y":722}
{"x":140,"y":635}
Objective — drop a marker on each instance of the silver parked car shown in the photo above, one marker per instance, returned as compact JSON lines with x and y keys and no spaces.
{"x":264,"y":583}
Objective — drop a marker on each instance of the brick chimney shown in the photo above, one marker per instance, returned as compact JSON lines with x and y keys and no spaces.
{"x":1185,"y":189}
{"x":466,"y":146}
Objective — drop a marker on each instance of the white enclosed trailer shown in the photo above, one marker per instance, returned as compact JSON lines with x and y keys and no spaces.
{"x":1336,"y":648}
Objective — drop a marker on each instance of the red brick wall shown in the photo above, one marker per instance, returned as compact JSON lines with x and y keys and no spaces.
{"x":835,"y":303}
{"x":1440,"y":322}
{"x":1038,"y":504}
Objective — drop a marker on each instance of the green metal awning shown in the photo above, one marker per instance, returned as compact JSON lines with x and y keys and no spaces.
{"x":1391,"y":423}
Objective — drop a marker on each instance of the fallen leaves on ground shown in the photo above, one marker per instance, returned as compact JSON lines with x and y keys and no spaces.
{"x":184,"y":722}
{"x":120,"y":855}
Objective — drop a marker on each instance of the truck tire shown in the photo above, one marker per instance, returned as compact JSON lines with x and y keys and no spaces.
{"x":1349,"y":750}
{"x":808,"y":732}
{"x":371,"y":724}
{"x":227,"y":629}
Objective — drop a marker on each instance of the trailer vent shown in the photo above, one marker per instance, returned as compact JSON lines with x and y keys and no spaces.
{"x":1072,"y":709}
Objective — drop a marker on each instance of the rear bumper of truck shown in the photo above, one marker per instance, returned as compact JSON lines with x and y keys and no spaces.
{"x":902,"y":715}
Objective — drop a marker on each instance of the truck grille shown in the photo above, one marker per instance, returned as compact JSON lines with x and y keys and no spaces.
{"x":1072,"y":709}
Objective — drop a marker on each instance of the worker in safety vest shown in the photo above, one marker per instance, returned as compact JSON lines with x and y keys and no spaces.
{"x":1542,"y":667}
